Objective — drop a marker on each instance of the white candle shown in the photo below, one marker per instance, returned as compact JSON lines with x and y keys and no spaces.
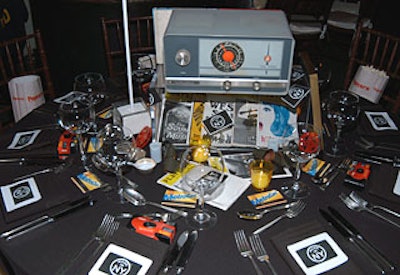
{"x":127,"y":51}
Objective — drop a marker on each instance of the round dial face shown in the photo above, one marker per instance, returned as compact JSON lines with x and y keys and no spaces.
{"x":227,"y":56}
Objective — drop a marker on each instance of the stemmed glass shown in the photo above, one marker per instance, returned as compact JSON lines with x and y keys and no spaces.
{"x":115,"y":150}
{"x":342,"y":109}
{"x":78,"y":117}
{"x":91,"y":83}
{"x":202,"y":168}
{"x":304,"y":146}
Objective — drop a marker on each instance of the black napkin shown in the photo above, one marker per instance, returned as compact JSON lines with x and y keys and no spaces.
{"x":130,"y":240}
{"x":55,"y":193}
{"x":381,"y":182}
{"x":45,"y":145}
{"x":301,"y":232}
{"x":365,"y":128}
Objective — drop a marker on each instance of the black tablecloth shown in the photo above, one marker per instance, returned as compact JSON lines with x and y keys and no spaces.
{"x":44,"y":250}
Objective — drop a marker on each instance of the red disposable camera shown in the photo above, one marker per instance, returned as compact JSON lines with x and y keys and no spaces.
{"x":153,"y":228}
{"x":64,"y":144}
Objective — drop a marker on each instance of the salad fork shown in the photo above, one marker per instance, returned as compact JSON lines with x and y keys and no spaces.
{"x":260,"y":252}
{"x":290,"y":213}
{"x":244,"y":248}
{"x":354,"y":205}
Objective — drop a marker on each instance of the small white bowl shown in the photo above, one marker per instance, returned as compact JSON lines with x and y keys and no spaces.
{"x":145,"y":165}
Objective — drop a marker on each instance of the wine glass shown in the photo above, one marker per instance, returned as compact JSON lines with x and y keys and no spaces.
{"x":202,"y":168}
{"x":302,"y":147}
{"x":78,"y":117}
{"x":91,"y":83}
{"x":115,"y":149}
{"x":342,"y":109}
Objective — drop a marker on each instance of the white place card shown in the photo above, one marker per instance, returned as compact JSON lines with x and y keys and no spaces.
{"x":23,"y":139}
{"x":118,"y":260}
{"x":317,"y":254}
{"x":20,"y":194}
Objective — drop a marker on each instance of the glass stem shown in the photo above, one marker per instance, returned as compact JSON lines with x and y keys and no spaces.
{"x":200,"y":201}
{"x":337,"y":138}
{"x":81,"y":148}
{"x":297,"y":175}
{"x":119,"y":184}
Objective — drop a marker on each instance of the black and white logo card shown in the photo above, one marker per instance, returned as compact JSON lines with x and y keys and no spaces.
{"x":381,"y":121}
{"x":295,"y":95}
{"x":218,"y":122}
{"x":317,"y":254}
{"x":23,"y":139}
{"x":116,"y":260}
{"x":20,"y":194}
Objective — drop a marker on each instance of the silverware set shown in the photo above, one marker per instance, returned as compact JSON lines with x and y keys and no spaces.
{"x":354,"y":236}
{"x":245,"y":250}
{"x":290,"y":213}
{"x":361,"y":205}
{"x":329,"y":172}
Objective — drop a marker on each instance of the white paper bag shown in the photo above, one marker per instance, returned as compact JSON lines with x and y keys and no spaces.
{"x":26,"y":93}
{"x":369,"y":83}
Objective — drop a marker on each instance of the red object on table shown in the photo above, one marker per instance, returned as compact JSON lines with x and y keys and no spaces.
{"x":144,"y":137}
{"x":309,"y":142}
{"x":64,"y":144}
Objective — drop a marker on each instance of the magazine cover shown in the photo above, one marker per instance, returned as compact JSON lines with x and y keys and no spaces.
{"x":245,"y":126}
{"x":275,"y":125}
{"x":175,"y":122}
{"x":218,"y":119}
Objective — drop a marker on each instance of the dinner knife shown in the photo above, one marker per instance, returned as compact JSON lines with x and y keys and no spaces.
{"x":186,"y":251}
{"x":46,"y":219}
{"x":370,"y":249}
{"x":349,"y":236}
{"x":174,"y":252}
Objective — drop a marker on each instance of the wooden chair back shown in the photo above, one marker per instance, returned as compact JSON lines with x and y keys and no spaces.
{"x":141,"y":42}
{"x":21,"y":56}
{"x":382,"y":51}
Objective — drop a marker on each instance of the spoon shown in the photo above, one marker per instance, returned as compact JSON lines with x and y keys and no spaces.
{"x":256,"y":215}
{"x":137,"y":199}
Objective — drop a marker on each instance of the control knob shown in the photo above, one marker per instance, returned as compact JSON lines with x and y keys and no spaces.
{"x":182,"y":57}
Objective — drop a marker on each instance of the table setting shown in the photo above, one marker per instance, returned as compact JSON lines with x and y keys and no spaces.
{"x":95,"y":209}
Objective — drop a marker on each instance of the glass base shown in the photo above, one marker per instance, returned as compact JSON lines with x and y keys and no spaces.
{"x":296,"y":190}
{"x":202,"y":220}
{"x":335,"y":150}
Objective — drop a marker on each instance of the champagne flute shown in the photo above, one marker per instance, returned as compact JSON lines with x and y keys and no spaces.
{"x":304,"y":146}
{"x":78,"y":117}
{"x":116,"y":148}
{"x":342,"y":109}
{"x":202,"y":168}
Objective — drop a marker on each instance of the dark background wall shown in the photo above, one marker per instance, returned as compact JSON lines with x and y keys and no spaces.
{"x":73,"y":37}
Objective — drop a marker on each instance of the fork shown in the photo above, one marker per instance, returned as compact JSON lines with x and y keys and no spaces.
{"x":356,"y":197}
{"x":354,"y":205}
{"x":260,"y":252}
{"x":244,"y":248}
{"x":104,"y":231}
{"x":290,"y":213}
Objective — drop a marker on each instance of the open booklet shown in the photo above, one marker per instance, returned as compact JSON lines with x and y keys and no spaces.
{"x":229,"y":124}
{"x":233,"y":188}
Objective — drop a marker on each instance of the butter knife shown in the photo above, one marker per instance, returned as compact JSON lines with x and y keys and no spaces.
{"x":46,"y":219}
{"x":186,"y":251}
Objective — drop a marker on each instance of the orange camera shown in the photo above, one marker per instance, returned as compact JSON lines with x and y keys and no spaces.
{"x":153,"y":228}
